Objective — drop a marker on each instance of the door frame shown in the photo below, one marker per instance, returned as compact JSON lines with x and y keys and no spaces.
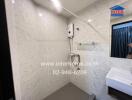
{"x":6,"y":75}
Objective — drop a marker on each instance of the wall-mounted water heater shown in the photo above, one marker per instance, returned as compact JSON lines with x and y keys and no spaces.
{"x":70,"y":29}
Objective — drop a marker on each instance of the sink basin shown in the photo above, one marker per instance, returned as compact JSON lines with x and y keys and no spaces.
{"x":120,"y":79}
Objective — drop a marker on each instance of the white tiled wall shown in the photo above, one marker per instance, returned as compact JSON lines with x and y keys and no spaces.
{"x":36,"y":39}
{"x":13,"y":47}
{"x":98,"y":59}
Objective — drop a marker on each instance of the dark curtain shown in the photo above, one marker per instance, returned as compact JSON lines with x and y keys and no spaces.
{"x":121,"y":37}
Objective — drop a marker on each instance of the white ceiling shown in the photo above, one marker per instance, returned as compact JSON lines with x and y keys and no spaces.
{"x":72,"y":5}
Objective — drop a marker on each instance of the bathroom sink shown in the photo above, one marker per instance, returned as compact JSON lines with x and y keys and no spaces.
{"x":120,"y":79}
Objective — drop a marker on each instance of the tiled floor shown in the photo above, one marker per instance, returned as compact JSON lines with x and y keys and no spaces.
{"x":70,"y":92}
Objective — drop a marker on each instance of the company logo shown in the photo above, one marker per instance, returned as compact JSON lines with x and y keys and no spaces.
{"x":117,"y":11}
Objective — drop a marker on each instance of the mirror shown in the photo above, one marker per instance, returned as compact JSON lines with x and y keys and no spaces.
{"x":121,"y":30}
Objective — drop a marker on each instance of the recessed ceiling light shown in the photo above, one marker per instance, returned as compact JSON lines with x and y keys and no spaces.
{"x":13,"y":1}
{"x":57,"y":5}
{"x":90,"y":20}
{"x":40,"y":14}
